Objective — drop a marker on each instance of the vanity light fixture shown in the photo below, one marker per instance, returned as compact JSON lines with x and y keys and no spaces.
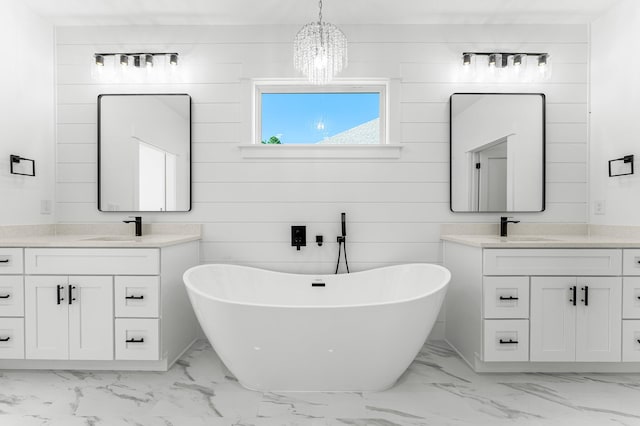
{"x":542,"y":60}
{"x":138,"y":57}
{"x":501,"y":59}
{"x":517,"y":59}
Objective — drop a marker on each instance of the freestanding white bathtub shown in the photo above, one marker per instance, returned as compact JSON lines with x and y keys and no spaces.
{"x":287,"y":332}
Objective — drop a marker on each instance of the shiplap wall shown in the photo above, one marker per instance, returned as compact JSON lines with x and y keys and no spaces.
{"x":26,"y":113}
{"x":394,"y":207}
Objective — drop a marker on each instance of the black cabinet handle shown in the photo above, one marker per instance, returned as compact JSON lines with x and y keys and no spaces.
{"x":508,"y":298}
{"x":134,"y":340}
{"x":6,"y":296}
{"x":508,"y":342}
{"x":71,"y":298}
{"x":5,"y":339}
{"x":586,"y":295}
{"x":59,"y":298}
{"x":135,"y":297}
{"x":574,"y":290}
{"x":7,"y":261}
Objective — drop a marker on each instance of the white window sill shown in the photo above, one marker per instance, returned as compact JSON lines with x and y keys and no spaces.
{"x":321,"y":151}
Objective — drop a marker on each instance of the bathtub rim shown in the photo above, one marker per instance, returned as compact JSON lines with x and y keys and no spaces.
{"x":442,"y":286}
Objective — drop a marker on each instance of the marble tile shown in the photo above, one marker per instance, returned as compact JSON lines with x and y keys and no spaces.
{"x":437,"y":389}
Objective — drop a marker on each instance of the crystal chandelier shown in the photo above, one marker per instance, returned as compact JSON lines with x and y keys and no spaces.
{"x":320,"y":50}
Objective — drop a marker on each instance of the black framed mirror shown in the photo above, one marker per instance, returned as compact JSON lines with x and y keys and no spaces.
{"x":497,"y":156}
{"x":144,"y":152}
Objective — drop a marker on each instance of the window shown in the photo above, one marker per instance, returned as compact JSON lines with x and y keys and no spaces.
{"x":339,"y":114}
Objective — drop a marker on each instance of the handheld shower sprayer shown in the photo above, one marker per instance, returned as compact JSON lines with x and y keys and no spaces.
{"x":342,"y":239}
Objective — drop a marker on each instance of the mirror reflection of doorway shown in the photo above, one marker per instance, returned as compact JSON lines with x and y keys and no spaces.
{"x":490,"y":177}
{"x":157,"y":179}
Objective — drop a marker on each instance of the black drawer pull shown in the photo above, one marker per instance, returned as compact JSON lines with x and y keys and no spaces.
{"x":586,"y":295}
{"x":508,"y":298}
{"x":7,"y":261}
{"x":135,"y":297}
{"x":6,"y":296}
{"x":134,"y":340}
{"x":59,"y":297}
{"x":508,"y":342}
{"x":638,"y":340}
{"x":318,"y":284}
{"x":71,"y":298}
{"x":5,"y":339}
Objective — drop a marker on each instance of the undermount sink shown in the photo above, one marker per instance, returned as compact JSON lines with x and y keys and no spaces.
{"x":117,"y":238}
{"x":525,"y":238}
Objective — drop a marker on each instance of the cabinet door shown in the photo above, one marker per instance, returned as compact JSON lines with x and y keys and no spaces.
{"x":599,"y":319}
{"x":91,"y":318}
{"x":553,"y":319}
{"x":46,"y":321}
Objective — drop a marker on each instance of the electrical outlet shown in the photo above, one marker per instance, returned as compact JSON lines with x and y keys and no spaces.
{"x":599,"y":207}
{"x":45,"y":206}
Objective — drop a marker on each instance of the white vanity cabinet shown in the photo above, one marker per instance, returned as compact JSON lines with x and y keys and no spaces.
{"x":11,"y":304}
{"x":576,"y":319}
{"x":543,"y":309}
{"x":69,"y":317}
{"x":96,"y":308}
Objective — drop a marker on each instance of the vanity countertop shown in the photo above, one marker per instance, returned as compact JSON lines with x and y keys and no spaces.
{"x":544,"y":241}
{"x":530,"y":235}
{"x":97,"y":235}
{"x":156,"y":240}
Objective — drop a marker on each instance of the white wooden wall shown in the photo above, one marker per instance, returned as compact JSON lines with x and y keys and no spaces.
{"x":394,"y":207}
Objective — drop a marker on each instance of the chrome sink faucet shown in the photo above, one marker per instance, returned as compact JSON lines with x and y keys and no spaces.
{"x":504,"y":220}
{"x":138,"y":221}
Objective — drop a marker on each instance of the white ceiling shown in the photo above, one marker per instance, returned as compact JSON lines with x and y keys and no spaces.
{"x":249,"y":12}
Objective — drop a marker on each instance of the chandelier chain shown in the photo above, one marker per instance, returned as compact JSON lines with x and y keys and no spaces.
{"x":320,"y":11}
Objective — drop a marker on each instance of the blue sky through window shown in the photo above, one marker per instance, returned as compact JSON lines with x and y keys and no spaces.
{"x":309,"y":118}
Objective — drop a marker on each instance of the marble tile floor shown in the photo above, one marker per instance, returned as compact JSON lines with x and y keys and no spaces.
{"x":438,"y":389}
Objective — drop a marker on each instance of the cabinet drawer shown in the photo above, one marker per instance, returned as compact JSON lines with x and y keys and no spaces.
{"x":631,"y":297}
{"x":137,"y":339}
{"x":505,"y":297}
{"x":11,"y":296}
{"x":137,"y":297}
{"x":11,"y":338}
{"x":10,"y":260}
{"x":631,"y":341}
{"x":506,"y":340}
{"x":552,"y":262}
{"x":92,"y":261}
{"x":631,"y":262}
